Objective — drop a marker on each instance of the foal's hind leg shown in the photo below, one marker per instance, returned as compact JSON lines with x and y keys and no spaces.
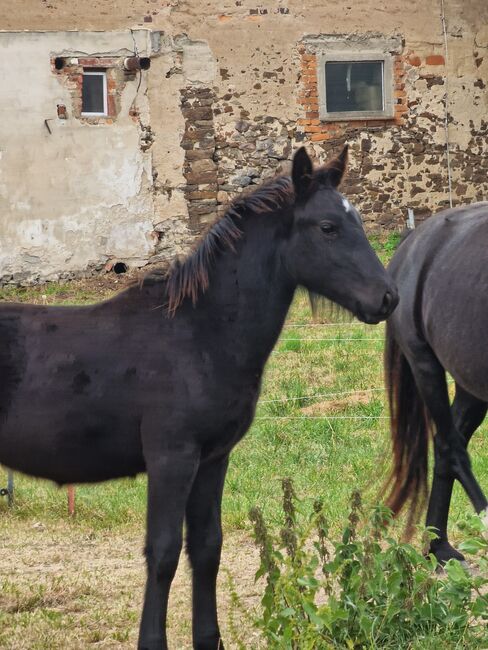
{"x":468,"y":413}
{"x":170,"y":477}
{"x":451,"y":456}
{"x":204,"y":543}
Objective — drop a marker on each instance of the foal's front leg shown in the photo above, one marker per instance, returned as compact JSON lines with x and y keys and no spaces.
{"x":204,"y":543}
{"x":170,"y":477}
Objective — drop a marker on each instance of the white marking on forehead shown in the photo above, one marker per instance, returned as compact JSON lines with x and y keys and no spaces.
{"x":346,"y":204}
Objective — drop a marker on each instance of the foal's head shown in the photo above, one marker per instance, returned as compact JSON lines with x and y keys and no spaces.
{"x":328,"y":252}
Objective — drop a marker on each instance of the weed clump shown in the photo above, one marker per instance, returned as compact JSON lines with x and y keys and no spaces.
{"x":365,"y":590}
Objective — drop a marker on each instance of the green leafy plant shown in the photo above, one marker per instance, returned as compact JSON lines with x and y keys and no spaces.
{"x":364,"y":590}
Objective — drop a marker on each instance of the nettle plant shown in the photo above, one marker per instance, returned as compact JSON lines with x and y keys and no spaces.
{"x":365,"y":590}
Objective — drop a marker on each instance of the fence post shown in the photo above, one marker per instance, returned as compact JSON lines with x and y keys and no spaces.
{"x":71,"y":500}
{"x":410,"y":219}
{"x":9,"y":490}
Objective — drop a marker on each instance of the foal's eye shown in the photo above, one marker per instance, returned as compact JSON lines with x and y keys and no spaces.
{"x":328,"y":228}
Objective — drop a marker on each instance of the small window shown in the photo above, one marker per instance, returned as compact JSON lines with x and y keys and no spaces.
{"x":355,"y":86}
{"x":94,"y":93}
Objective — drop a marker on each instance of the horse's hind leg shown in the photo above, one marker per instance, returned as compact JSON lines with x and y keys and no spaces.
{"x":451,"y":456}
{"x":170,"y":477}
{"x":468,"y":413}
{"x":204,"y":543}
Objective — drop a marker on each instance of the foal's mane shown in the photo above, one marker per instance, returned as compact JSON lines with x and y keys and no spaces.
{"x":189,"y":277}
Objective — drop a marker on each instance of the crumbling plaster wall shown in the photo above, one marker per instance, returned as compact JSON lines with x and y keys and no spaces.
{"x":73,"y":195}
{"x":224,"y":103}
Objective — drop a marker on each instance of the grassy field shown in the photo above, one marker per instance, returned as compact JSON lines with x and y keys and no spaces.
{"x":321,"y":420}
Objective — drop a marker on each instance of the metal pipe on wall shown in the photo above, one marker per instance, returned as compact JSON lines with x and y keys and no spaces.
{"x":133,"y":63}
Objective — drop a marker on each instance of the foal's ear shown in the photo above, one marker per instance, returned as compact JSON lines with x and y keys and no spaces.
{"x":302,"y":172}
{"x":336,"y":167}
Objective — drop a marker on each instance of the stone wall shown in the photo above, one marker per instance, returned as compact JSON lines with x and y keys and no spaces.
{"x":231,"y":93}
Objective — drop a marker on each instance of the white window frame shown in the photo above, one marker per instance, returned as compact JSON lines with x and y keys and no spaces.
{"x":385,"y":58}
{"x":103,"y":74}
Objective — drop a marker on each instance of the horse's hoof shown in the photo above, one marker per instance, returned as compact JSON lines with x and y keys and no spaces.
{"x":484,"y":519}
{"x":445,"y":552}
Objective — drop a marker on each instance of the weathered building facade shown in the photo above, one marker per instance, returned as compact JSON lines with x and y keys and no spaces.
{"x":102,"y":164}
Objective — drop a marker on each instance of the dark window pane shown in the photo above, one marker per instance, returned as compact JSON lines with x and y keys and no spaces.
{"x":93,"y":94}
{"x":354,"y":86}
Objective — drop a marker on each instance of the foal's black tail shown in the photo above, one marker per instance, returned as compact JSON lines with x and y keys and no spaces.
{"x":411,"y":428}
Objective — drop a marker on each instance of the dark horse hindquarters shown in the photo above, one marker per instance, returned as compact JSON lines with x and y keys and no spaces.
{"x":439,"y":326}
{"x":73,"y":398}
{"x":165,"y":376}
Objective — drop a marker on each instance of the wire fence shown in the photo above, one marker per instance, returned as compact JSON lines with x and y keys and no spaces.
{"x":321,"y":417}
{"x":325,"y":339}
{"x":352,"y":324}
{"x":328,"y":395}
{"x":340,"y":338}
{"x":322,"y":395}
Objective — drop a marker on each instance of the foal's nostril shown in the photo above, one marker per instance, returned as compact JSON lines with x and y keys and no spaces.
{"x":387,"y":303}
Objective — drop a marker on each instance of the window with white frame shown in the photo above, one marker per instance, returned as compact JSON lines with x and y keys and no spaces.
{"x":355,"y":85}
{"x":94,"y":93}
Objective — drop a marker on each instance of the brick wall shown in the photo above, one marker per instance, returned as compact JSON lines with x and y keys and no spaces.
{"x":200,"y":170}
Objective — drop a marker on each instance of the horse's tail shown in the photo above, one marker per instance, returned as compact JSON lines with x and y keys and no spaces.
{"x":411,"y":428}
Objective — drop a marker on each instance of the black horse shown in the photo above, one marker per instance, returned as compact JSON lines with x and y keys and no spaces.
{"x":442,"y":276}
{"x":165,"y":376}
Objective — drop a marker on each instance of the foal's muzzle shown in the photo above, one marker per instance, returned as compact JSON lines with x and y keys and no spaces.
{"x":387,"y":306}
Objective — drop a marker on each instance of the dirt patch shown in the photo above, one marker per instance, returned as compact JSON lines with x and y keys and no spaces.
{"x":334,"y":405}
{"x":62,"y":588}
{"x":95,"y":288}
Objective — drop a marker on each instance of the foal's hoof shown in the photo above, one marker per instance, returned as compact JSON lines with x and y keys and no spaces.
{"x":445,"y":552}
{"x":153,"y":644}
{"x":209,"y":643}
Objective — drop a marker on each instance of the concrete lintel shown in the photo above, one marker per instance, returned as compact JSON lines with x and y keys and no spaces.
{"x":109,"y":43}
{"x":341,"y":42}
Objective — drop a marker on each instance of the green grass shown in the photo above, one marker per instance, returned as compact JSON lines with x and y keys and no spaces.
{"x":52,"y":293}
{"x":98,"y":507}
{"x":386,"y":245}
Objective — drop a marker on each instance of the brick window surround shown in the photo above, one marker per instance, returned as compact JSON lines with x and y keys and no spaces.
{"x":71,"y":76}
{"x":313,"y":53}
